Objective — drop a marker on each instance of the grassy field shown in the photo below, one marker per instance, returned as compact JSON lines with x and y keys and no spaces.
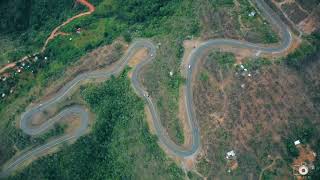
{"x":119,"y":146}
{"x":258,"y":116}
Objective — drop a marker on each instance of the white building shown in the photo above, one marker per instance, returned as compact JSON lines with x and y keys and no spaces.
{"x":230,"y":154}
{"x":252,"y":14}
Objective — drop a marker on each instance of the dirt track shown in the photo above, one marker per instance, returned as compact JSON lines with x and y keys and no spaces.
{"x":55,"y":33}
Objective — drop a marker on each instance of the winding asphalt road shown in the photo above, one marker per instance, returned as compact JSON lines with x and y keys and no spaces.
{"x":164,"y":139}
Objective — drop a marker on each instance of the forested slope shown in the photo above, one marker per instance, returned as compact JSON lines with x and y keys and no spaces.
{"x":119,"y":146}
{"x":25,"y":24}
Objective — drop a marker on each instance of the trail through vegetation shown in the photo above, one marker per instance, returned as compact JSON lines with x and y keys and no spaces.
{"x":53,"y":34}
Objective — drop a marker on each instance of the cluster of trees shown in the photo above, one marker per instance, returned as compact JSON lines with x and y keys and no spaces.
{"x":225,"y":59}
{"x":119,"y":146}
{"x":15,"y":137}
{"x":12,"y":137}
{"x":305,"y":130}
{"x":223,"y":3}
{"x":139,"y":11}
{"x":257,"y":63}
{"x":18,"y":83}
{"x":22,"y":15}
{"x":301,"y":129}
{"x":29,"y":22}
{"x":306,"y":54}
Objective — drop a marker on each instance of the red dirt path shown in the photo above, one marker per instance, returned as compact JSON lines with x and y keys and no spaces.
{"x":55,"y":32}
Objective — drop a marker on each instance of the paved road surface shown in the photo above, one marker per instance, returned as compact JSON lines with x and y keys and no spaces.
{"x":173,"y":148}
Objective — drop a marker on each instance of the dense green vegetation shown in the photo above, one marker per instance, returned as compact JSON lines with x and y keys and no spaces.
{"x":15,"y":137}
{"x":28,"y":15}
{"x":119,"y":146}
{"x":219,"y":3}
{"x":27,"y":23}
{"x":302,"y":129}
{"x":204,"y":76}
{"x":100,"y":28}
{"x":225,"y":59}
{"x":257,"y":63}
{"x":306,"y":54}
